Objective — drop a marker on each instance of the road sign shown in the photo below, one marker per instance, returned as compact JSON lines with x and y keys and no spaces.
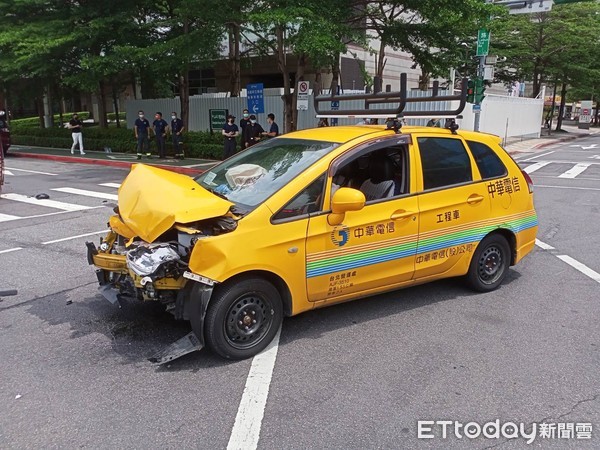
{"x":217,"y":118}
{"x":256,"y":101}
{"x":302,"y":101}
{"x":527,"y":6}
{"x":585,"y":116}
{"x":483,"y":42}
{"x":335,"y":105}
{"x":476,"y":108}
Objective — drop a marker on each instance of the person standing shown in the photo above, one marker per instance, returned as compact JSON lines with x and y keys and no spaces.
{"x":142,"y":131}
{"x":324,"y":122}
{"x":75,"y":125}
{"x":245,"y":120}
{"x":252,"y":132}
{"x":230,"y":131}
{"x":273,"y":127}
{"x":177,"y":135}
{"x":160,"y":131}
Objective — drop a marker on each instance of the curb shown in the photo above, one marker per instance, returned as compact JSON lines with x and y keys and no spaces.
{"x":104,"y":162}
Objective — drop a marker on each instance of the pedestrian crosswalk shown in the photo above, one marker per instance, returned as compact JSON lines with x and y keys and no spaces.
{"x":565,"y":169}
{"x":17,"y":206}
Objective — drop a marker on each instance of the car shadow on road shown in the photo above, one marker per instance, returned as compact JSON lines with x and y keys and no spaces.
{"x":137,"y":330}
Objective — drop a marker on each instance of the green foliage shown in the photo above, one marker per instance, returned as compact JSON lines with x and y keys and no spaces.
{"x":27,"y":132}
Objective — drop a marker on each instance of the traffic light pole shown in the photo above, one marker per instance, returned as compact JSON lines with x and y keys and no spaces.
{"x":478,"y":96}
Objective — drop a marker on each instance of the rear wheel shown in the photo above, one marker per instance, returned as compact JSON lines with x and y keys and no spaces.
{"x":243,"y":318}
{"x":490,"y":263}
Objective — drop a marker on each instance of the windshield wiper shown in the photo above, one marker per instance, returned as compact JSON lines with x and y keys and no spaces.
{"x":218,"y":194}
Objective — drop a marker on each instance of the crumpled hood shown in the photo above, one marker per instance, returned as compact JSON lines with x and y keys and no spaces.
{"x":152,"y":200}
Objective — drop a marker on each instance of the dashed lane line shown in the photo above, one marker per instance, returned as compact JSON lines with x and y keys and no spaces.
{"x":73,"y":237}
{"x":248,"y":421}
{"x":86,"y":193}
{"x":11,"y":250}
{"x":572,"y":262}
{"x":32,"y":171}
{"x":45,"y":202}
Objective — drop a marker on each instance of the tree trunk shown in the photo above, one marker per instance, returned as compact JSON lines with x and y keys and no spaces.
{"x":424,"y":80}
{"x":184,"y":97}
{"x":561,"y":110}
{"x":235,"y":82}
{"x":39,"y":104}
{"x":335,"y":74}
{"x":287,"y":90}
{"x":597,"y":116}
{"x":102,"y":106}
{"x":115,"y":99}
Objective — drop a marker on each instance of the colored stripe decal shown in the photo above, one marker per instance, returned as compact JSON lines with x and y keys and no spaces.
{"x":332,"y":261}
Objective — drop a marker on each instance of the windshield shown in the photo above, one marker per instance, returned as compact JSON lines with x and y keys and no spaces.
{"x":252,"y":176}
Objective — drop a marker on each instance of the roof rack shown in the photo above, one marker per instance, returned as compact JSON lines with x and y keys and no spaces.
{"x":400,"y":98}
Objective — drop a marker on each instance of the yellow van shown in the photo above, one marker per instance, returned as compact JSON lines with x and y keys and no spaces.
{"x":314,"y":218}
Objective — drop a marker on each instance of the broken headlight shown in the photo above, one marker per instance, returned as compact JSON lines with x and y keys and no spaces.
{"x":145,"y":260}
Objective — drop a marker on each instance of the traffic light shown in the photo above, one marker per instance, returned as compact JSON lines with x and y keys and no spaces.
{"x":471,"y":91}
{"x":479,"y":90}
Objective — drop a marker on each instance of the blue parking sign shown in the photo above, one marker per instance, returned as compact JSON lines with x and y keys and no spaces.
{"x":256,"y":101}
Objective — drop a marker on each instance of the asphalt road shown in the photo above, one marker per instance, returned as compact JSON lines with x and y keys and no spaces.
{"x":73,"y":368}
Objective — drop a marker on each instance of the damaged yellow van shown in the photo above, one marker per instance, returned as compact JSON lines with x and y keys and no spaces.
{"x":314,"y":218}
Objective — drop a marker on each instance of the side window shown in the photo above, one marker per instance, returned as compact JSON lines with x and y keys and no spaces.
{"x":308,"y":201}
{"x":379,"y":174}
{"x":445,"y":162}
{"x":489,"y":164}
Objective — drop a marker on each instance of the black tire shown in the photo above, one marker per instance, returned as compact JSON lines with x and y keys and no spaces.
{"x":243,"y":318}
{"x":490,"y":263}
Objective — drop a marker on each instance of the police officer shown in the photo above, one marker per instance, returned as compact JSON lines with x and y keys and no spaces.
{"x":252,"y":132}
{"x":177,"y":135}
{"x":142,"y":134}
{"x":245,"y":120}
{"x":273,"y":127}
{"x":160,"y":131}
{"x":230,"y":131}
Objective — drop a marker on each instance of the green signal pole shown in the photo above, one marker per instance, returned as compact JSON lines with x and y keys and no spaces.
{"x":478,"y":83}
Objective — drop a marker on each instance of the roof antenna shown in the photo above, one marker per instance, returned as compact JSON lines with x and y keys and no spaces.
{"x":393,"y":123}
{"x":451,"y":125}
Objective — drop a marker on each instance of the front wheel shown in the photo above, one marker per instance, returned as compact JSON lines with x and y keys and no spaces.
{"x":490,"y":264}
{"x":243,"y":318}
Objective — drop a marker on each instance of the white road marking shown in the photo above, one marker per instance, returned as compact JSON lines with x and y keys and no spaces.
{"x":87,"y":193}
{"x":536,"y":156}
{"x":566,"y":187}
{"x":538,"y":165}
{"x":8,"y":172}
{"x":48,"y":203}
{"x":581,"y":267}
{"x":33,"y":171}
{"x":112,"y":185}
{"x":73,"y":237}
{"x":8,"y":217}
{"x":543,"y":245}
{"x":246,"y":430}
{"x":11,"y":250}
{"x":574,"y":171}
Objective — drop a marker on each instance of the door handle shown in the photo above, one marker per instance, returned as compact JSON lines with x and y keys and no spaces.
{"x":475,"y":198}
{"x":401,"y":214}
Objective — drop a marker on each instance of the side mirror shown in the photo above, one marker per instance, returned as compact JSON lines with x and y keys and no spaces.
{"x":344,"y":200}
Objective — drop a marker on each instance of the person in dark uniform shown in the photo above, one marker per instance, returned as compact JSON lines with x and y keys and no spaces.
{"x":245,"y":120}
{"x":142,"y":134}
{"x":252,"y":132}
{"x":273,"y":127}
{"x":230,"y":131}
{"x":177,"y":135}
{"x":160,"y":131}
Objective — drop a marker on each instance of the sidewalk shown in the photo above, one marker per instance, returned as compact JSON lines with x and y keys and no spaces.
{"x":188,"y":166}
{"x":532,"y":145}
{"x":194,"y":166}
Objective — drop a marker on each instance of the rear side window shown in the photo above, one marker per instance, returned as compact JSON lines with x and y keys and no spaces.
{"x":445,"y":162}
{"x":489,"y":164}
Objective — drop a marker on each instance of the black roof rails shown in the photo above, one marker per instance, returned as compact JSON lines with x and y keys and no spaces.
{"x":400,"y":98}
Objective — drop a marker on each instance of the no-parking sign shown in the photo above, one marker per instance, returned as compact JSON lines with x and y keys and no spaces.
{"x":303,"y":88}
